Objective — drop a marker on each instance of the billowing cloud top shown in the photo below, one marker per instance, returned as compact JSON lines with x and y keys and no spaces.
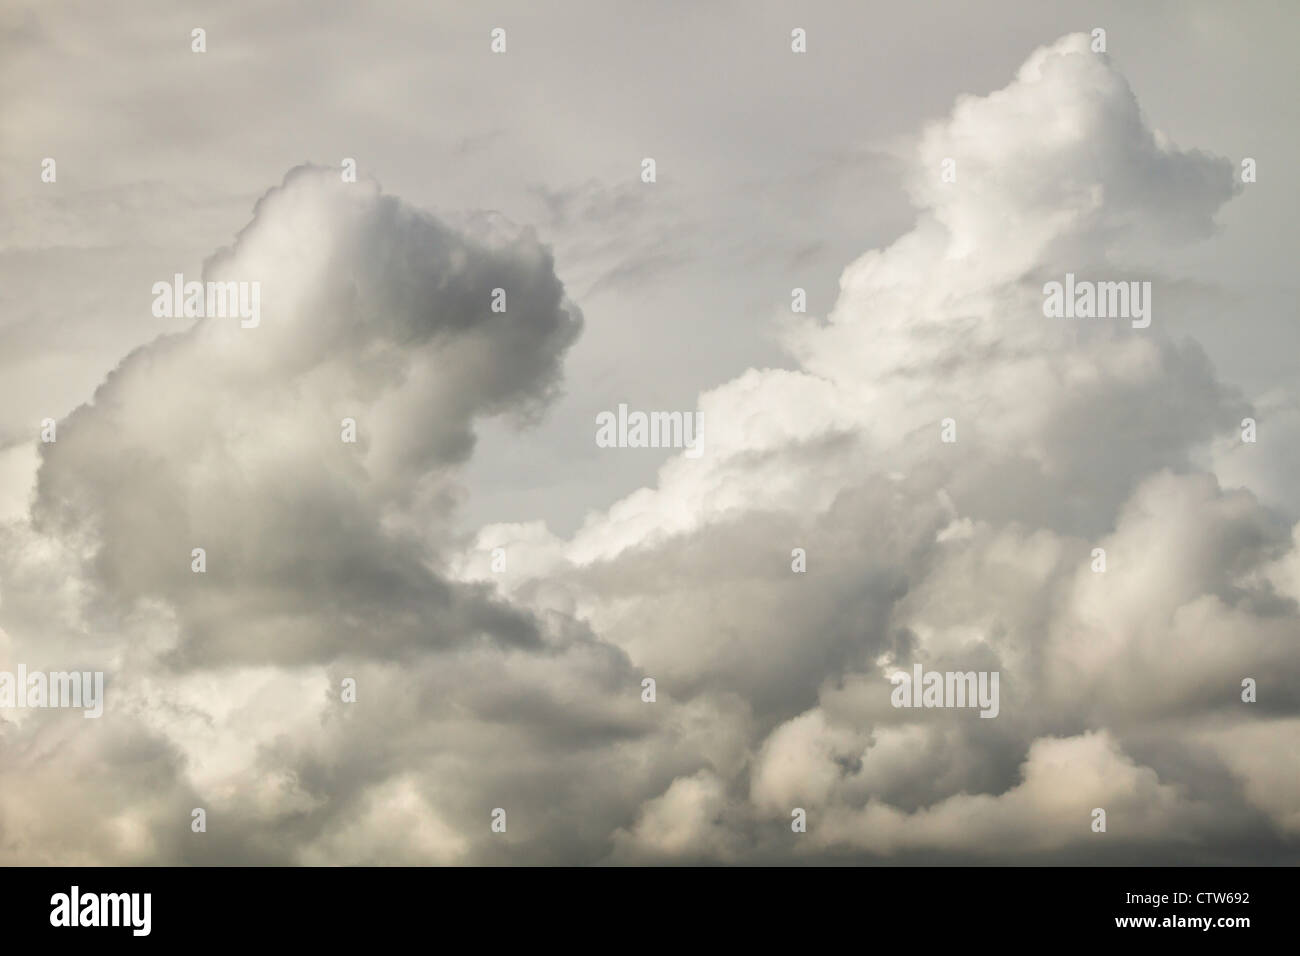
{"x":228,"y":438}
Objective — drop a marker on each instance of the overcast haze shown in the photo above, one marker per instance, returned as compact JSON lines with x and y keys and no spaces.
{"x":499,"y":586}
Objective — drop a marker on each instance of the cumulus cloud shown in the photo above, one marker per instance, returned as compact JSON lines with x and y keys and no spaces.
{"x":977,"y":554}
{"x":520,"y":688}
{"x":1064,"y":780}
{"x":324,"y":558}
{"x":228,"y":439}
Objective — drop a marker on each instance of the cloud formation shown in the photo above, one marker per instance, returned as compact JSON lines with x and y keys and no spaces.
{"x":228,"y":439}
{"x":972,"y":555}
{"x":521,"y":689}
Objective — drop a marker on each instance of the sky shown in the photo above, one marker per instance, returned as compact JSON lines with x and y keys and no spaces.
{"x":496,"y":587}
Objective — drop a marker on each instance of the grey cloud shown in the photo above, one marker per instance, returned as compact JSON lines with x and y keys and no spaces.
{"x":521,"y":689}
{"x":228,"y":439}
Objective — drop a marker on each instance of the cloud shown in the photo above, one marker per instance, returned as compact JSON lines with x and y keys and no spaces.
{"x":976,"y":554}
{"x":324,"y":559}
{"x":520,"y":688}
{"x":228,"y":439}
{"x":1064,"y":780}
{"x":686,"y":821}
